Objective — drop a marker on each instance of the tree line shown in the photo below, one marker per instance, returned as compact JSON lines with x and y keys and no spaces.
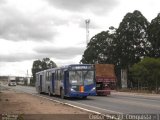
{"x":39,"y":65}
{"x":135,"y":39}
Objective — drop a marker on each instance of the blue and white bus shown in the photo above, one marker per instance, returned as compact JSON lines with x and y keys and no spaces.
{"x":77,"y":80}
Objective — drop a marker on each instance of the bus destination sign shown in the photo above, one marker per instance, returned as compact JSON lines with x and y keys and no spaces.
{"x":81,"y":67}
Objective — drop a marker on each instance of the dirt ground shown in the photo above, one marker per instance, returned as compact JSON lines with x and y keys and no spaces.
{"x":17,"y":103}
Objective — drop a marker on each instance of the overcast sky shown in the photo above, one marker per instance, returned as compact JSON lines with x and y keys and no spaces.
{"x":34,"y":29}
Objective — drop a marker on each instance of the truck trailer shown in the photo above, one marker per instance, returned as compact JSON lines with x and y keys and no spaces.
{"x":105,"y":78}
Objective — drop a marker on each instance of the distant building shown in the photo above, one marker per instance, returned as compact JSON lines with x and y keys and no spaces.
{"x":3,"y":78}
{"x":19,"y":80}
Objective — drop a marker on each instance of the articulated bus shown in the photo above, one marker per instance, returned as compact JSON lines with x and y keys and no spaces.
{"x":77,"y":80}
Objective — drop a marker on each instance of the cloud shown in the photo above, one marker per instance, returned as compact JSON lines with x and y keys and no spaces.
{"x":94,"y":6}
{"x":17,"y":57}
{"x":2,"y":2}
{"x":60,"y":53}
{"x":43,"y":23}
{"x":17,"y":26}
{"x":42,"y":52}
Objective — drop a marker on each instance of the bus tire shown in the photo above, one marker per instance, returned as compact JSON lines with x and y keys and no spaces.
{"x":62,"y":93}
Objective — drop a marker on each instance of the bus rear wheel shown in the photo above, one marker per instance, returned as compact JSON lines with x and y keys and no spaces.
{"x":62,"y":93}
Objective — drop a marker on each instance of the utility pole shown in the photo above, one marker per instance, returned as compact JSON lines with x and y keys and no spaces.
{"x":87,"y":21}
{"x":28,"y":79}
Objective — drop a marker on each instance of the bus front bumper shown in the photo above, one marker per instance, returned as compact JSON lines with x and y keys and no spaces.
{"x":82,"y":94}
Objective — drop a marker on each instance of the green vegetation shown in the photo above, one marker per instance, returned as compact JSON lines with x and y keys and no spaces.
{"x":146,"y":74}
{"x":154,"y":37}
{"x":99,"y":49}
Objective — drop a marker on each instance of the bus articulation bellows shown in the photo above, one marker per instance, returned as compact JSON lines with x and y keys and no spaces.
{"x":77,"y":80}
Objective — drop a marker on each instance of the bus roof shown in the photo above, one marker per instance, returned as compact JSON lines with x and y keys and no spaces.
{"x":64,"y":67}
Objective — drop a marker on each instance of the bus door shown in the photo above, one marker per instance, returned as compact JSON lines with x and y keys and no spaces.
{"x":66,"y":82}
{"x":52,"y":82}
{"x":40,"y":86}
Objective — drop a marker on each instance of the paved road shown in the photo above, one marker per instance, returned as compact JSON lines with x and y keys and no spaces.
{"x":117,"y":103}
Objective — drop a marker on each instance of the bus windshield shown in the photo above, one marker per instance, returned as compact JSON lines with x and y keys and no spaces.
{"x":81,"y":77}
{"x":88,"y":77}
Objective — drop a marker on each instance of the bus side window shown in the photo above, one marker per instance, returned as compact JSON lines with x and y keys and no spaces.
{"x":56,"y":75}
{"x":59,"y":75}
{"x":62,"y":75}
{"x":37,"y":77}
{"x":46,"y":76}
{"x":40,"y":80}
{"x":50,"y":76}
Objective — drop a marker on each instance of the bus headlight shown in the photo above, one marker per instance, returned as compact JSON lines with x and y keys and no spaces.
{"x":72,"y":90}
{"x":93,"y":89}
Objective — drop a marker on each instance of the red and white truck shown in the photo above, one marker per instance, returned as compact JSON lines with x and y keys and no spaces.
{"x":105,"y":78}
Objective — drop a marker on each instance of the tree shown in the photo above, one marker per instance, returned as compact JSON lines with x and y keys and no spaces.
{"x":139,"y":75}
{"x":154,"y":37}
{"x":131,"y":41}
{"x":147,"y":72}
{"x":99,"y":49}
{"x":39,"y":65}
{"x":47,"y":63}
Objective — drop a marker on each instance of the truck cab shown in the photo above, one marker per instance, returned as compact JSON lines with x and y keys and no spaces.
{"x":12,"y":81}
